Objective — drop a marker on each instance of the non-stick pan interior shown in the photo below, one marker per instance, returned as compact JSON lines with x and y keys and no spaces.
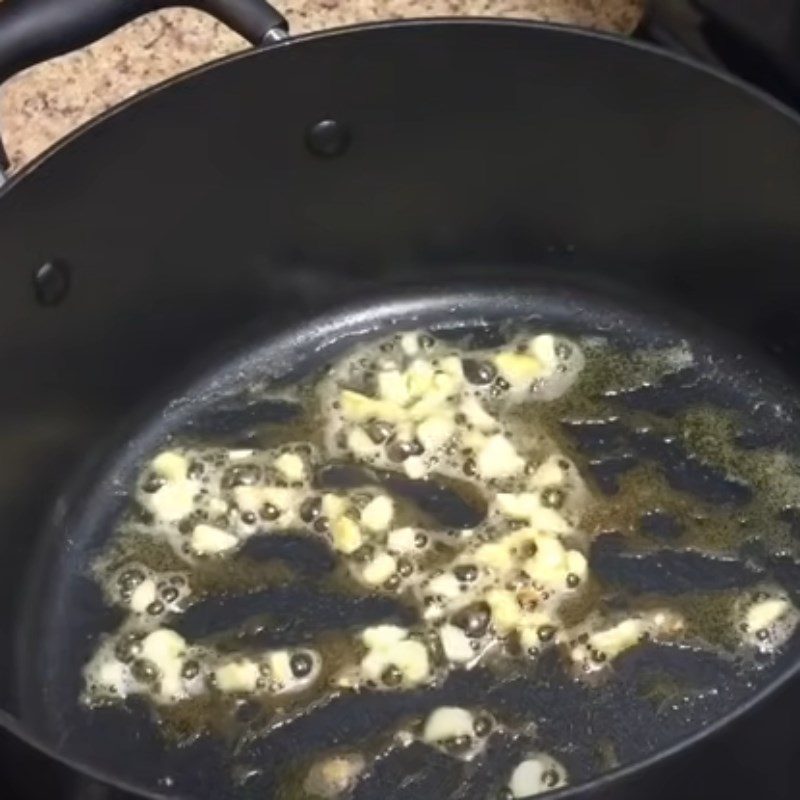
{"x":655,"y":696}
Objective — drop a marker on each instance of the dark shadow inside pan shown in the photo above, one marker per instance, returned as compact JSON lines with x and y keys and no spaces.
{"x":655,"y":695}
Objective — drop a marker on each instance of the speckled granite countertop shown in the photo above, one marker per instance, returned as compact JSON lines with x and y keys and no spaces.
{"x":46,"y":102}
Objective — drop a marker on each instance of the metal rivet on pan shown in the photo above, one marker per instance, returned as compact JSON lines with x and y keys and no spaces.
{"x":327,"y":138}
{"x":51,"y":282}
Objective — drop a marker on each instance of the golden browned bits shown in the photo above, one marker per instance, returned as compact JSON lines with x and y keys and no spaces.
{"x":528,"y":599}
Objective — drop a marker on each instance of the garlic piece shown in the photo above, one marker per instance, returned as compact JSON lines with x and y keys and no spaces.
{"x":208,"y":540}
{"x":549,"y":564}
{"x":454,"y":369}
{"x":538,"y":773}
{"x":388,"y":646}
{"x":392,"y":387}
{"x":477,"y":415}
{"x":357,"y":407}
{"x":447,"y":722}
{"x":217,"y":507}
{"x":767,"y":619}
{"x":519,"y":369}
{"x":239,"y":454}
{"x":409,"y":344}
{"x":379,"y":570}
{"x":456,"y":644}
{"x":445,"y":585}
{"x":334,"y":777}
{"x":165,"y":649}
{"x":434,"y":431}
{"x":383,"y":636}
{"x":518,"y":506}
{"x":346,"y":535}
{"x":415,"y":468}
{"x":333,"y":506}
{"x":548,"y":520}
{"x":506,"y":612}
{"x":360,"y":445}
{"x":377,"y":514}
{"x":616,"y":640}
{"x":550,"y":472}
{"x":411,"y":658}
{"x":291,"y":466}
{"x":762,"y":614}
{"x":402,"y":540}
{"x":543,"y":347}
{"x":173,"y":500}
{"x":252,"y":498}
{"x":280,"y":666}
{"x":171,"y":465}
{"x":143,"y":595}
{"x":419,"y":378}
{"x":498,"y":458}
{"x":237,"y":676}
{"x":495,"y":556}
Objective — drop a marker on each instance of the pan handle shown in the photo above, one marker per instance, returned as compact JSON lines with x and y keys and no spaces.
{"x":36,"y":30}
{"x":32,"y":31}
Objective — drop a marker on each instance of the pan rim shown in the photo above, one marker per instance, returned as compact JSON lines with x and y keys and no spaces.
{"x":8,"y":722}
{"x":412,"y":24}
{"x":397,"y":304}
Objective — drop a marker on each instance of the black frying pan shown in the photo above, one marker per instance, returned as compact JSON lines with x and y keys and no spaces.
{"x":221,"y":201}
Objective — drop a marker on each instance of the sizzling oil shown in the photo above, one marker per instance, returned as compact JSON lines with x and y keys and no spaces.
{"x":708,"y":435}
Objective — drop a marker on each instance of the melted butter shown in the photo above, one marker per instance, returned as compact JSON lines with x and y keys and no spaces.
{"x":500,"y":449}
